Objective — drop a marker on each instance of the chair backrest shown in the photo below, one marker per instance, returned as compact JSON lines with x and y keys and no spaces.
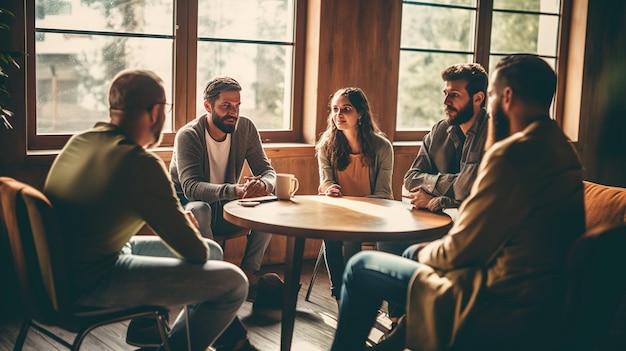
{"x":597,"y":290}
{"x":36,"y":248}
{"x":604,"y":205}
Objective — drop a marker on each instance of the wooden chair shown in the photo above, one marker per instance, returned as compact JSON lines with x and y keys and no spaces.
{"x":321,"y":257}
{"x":28,"y":219}
{"x":596,"y":306}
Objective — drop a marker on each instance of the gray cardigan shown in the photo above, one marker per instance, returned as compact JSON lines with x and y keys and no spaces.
{"x":189,"y":167}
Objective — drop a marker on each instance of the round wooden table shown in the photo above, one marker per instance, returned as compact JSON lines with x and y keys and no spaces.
{"x":332,"y":218}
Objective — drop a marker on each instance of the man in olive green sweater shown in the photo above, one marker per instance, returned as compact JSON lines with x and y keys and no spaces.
{"x":105,"y":186}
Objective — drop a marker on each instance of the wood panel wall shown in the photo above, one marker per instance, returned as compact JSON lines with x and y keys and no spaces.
{"x":602,"y":107}
{"x":351,"y":43}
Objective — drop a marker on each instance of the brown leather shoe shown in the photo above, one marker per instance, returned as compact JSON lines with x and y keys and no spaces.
{"x":245,"y":345}
{"x":395,"y":340}
{"x":270,"y":292}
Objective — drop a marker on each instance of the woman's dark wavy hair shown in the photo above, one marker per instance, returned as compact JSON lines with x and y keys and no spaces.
{"x":334,"y":143}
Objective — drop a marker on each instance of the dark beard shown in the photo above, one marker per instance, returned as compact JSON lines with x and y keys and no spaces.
{"x":502,"y":126}
{"x":218,"y":121}
{"x":462,"y":116}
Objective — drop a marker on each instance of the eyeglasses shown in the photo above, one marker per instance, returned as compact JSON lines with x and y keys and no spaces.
{"x":168,"y":106}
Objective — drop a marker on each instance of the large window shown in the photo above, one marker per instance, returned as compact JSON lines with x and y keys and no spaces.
{"x":438,"y":33}
{"x":80,"y":45}
{"x":251,"y":41}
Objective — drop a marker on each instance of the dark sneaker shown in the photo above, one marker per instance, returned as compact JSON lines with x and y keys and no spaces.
{"x":394,"y":340}
{"x":247,"y":346}
{"x":144,"y":332}
{"x":269,"y":292}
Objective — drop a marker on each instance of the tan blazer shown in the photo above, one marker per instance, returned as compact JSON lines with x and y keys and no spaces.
{"x":503,"y":263}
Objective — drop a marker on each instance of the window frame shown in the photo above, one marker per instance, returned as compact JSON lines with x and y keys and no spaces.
{"x":184,"y":77}
{"x":481,"y":52}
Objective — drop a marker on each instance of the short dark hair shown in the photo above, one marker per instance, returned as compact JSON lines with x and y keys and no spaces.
{"x":473,"y":73}
{"x":217,"y":85}
{"x":530,"y":77}
{"x":135,"y":89}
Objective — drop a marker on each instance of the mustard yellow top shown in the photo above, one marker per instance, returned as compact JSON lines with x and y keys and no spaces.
{"x":355,"y":179}
{"x":380,"y":171}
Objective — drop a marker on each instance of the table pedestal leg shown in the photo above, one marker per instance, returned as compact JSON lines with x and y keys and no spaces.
{"x":293,"y":269}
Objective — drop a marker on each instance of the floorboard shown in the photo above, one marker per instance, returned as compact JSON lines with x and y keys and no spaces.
{"x":314,"y":328}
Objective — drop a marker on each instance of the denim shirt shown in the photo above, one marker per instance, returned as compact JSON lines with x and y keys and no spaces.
{"x":447,"y":163}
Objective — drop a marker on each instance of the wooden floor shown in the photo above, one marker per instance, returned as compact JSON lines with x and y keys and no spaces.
{"x":314,"y":327}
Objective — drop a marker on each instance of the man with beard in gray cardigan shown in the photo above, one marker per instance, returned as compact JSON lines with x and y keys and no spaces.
{"x":208,"y":158}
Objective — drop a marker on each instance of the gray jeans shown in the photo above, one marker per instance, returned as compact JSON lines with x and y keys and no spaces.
{"x":148,"y":273}
{"x":211,"y":220}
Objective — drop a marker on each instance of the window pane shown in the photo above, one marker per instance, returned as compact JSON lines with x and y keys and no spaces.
{"x":420,"y":97}
{"x":146,"y":16}
{"x":493,"y":60}
{"x":514,"y":32}
{"x":440,"y":28}
{"x":246,"y":19}
{"x":471,"y":3}
{"x":73,"y":70}
{"x":74,"y":73}
{"x":264,"y":72}
{"x":545,"y":6}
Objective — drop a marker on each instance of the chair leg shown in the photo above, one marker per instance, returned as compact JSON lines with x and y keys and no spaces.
{"x":42,"y":329}
{"x":80,"y":336}
{"x":21,"y":337}
{"x":164,"y":337}
{"x":318,"y":261}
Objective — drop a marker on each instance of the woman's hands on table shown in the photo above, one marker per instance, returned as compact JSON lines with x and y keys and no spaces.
{"x":333,"y":190}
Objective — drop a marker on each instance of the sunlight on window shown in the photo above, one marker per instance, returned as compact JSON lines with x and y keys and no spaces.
{"x":436,"y":34}
{"x":251,"y":41}
{"x":81,"y":45}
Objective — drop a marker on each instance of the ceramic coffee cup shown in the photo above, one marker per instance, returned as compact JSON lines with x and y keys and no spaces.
{"x":286,"y":185}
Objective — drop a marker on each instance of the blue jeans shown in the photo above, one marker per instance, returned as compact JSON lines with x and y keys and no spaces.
{"x":211,"y":220}
{"x":370,"y":278}
{"x":395,"y":247}
{"x":148,"y":273}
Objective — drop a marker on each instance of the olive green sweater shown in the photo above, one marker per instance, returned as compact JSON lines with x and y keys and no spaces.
{"x":104,"y":188}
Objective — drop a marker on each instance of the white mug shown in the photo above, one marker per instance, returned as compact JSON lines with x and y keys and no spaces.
{"x":286,"y":185}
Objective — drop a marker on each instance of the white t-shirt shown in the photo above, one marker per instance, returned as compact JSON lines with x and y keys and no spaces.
{"x":218,"y":157}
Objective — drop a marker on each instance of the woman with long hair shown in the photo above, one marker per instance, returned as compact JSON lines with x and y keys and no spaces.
{"x":355,"y":159}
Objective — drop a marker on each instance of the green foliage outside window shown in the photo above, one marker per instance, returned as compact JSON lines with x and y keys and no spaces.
{"x":434,"y":37}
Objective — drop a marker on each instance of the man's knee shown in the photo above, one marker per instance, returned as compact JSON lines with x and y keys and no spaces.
{"x":199,"y":208}
{"x":203,"y":213}
{"x":238,"y":284}
{"x":411,"y":252}
{"x":260,"y":237}
{"x":359,"y":261}
{"x":215,"y":250}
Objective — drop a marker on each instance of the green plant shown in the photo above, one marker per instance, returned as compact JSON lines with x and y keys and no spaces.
{"x":7,"y":59}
